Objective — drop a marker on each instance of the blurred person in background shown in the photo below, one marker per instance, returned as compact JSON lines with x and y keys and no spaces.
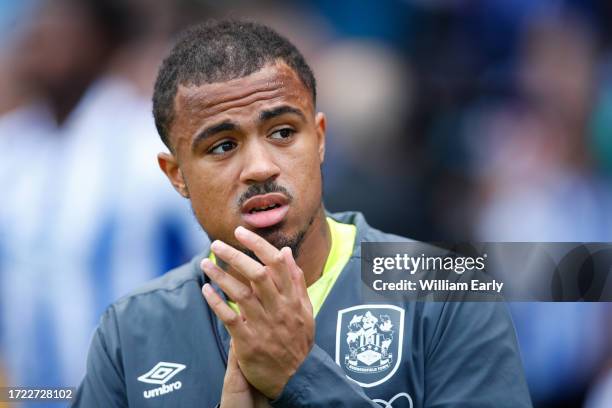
{"x":85,"y":215}
{"x":538,"y":183}
{"x":379,"y":106}
{"x":13,"y":92}
{"x":3,"y":383}
{"x":600,"y":395}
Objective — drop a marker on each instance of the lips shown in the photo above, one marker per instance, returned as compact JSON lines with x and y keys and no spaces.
{"x":265,"y":210}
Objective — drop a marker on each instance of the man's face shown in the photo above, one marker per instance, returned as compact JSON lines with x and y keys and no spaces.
{"x":249,"y":152}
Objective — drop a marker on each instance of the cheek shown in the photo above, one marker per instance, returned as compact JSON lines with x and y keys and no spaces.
{"x":306,"y":169}
{"x":211,"y":192}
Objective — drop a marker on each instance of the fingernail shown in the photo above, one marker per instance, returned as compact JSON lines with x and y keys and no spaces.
{"x":216,"y":245}
{"x":207,"y":289}
{"x":206,"y":263}
{"x":210,"y":269}
{"x":240,"y":231}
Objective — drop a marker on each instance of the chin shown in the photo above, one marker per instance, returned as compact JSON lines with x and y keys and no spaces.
{"x":276,"y":235}
{"x":279,"y":239}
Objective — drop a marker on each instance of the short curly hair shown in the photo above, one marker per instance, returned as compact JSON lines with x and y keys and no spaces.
{"x":219,"y":51}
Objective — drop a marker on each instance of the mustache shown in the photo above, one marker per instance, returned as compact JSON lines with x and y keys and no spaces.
{"x":270,"y":186}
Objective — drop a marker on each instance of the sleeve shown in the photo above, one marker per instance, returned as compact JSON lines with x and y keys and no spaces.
{"x":320,"y":382}
{"x":475,"y":361}
{"x":103,"y":384}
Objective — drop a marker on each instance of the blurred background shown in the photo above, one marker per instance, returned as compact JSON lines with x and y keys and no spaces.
{"x":485,"y":120}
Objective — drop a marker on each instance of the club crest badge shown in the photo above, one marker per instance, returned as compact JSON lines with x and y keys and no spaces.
{"x":369,"y":342}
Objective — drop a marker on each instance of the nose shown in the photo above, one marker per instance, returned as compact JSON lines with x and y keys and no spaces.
{"x":259,"y":165}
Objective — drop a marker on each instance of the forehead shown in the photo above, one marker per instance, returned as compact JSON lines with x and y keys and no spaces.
{"x":272,"y":84}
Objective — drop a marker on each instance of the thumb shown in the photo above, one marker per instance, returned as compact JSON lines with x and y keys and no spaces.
{"x":234,"y":379}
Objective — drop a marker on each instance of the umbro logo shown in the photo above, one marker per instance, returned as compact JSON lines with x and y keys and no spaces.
{"x":161,"y":374}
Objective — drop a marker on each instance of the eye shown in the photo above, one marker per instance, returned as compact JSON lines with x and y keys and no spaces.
{"x":223,"y":147}
{"x":282,"y":134}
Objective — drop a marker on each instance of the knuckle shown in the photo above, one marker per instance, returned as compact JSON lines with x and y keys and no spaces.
{"x":280,"y":317}
{"x":244,"y":295}
{"x":260,"y":275}
{"x":309,"y":309}
{"x":278,"y":259}
{"x":232,"y":320}
{"x":214,"y":304}
{"x":298,"y":322}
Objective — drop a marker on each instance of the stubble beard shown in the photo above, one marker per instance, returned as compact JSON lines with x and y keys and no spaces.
{"x":274,"y":236}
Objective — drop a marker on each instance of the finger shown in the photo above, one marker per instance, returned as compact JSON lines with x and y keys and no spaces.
{"x":232,"y":320}
{"x":237,"y":291}
{"x":232,"y":361}
{"x":267,"y":254}
{"x":296,"y":274}
{"x":297,"y":277}
{"x":234,"y":381}
{"x":261,"y":401}
{"x":255,"y":272}
{"x":237,"y":392}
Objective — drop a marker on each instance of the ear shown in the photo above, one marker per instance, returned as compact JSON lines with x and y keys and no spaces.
{"x":320,"y":125}
{"x":169,"y":165}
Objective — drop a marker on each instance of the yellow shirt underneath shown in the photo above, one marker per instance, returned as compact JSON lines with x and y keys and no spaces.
{"x":342,"y":245}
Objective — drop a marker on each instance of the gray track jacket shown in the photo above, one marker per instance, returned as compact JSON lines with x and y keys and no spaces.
{"x":163,"y":347}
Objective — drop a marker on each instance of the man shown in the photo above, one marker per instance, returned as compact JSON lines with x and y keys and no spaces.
{"x":235,"y":104}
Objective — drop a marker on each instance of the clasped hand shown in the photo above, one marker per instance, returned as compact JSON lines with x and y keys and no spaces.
{"x":274,"y":331}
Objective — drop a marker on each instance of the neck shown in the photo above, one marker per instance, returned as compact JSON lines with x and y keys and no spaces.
{"x":315,"y":248}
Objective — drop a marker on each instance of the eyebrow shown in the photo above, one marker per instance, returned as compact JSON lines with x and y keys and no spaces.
{"x":228,"y":125}
{"x":281,"y":110}
{"x":211,"y":131}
